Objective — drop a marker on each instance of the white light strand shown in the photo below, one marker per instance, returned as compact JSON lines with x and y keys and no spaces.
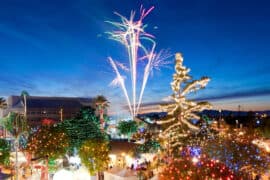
{"x":182,"y":110}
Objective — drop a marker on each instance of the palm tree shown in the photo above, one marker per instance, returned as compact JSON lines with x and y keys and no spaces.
{"x":101,"y":103}
{"x":3,"y":103}
{"x":15,"y":123}
{"x":25,"y":94}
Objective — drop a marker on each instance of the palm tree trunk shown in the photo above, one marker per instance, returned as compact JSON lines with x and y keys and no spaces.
{"x":25,"y":107}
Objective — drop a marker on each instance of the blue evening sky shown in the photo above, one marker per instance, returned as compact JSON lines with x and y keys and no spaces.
{"x":60,"y":48}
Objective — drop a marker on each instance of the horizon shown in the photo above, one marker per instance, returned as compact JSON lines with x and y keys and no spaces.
{"x":61,"y":48}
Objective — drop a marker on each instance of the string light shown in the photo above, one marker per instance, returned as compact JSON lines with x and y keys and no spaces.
{"x":182,"y":110}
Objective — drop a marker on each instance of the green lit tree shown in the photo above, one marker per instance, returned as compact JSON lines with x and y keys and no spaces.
{"x":127,"y":128}
{"x":147,"y":140}
{"x":150,"y":146}
{"x":94,"y":155}
{"x":83,"y":127}
{"x":4,"y":152}
{"x":177,"y":124}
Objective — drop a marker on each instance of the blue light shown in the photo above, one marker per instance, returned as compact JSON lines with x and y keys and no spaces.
{"x":142,"y":130}
{"x":195,"y":151}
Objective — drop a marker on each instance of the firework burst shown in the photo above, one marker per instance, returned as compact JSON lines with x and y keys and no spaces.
{"x":130,"y":33}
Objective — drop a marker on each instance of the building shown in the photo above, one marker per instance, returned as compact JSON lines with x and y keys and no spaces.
{"x":38,"y":107}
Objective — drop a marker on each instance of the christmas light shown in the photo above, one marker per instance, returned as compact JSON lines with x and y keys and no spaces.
{"x":182,"y":110}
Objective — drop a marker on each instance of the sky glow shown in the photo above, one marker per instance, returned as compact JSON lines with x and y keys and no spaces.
{"x":60,"y":48}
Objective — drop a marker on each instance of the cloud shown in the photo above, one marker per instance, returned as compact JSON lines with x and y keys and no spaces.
{"x":238,"y":94}
{"x":167,"y":99}
{"x":12,"y":32}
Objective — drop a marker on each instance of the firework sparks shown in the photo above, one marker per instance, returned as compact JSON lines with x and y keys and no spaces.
{"x":130,"y":32}
{"x":122,"y":66}
{"x":155,"y":61}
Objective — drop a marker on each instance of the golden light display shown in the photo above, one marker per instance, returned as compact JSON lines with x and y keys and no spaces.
{"x":48,"y":141}
{"x":182,"y":109}
{"x":94,"y":155}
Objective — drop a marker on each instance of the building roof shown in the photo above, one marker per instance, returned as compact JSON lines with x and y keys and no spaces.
{"x":52,"y":102}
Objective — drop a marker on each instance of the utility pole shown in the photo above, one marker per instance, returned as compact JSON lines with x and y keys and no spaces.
{"x":61,"y":114}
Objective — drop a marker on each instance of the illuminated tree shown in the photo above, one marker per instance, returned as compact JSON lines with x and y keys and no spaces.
{"x":177,"y":123}
{"x":203,"y":168}
{"x":236,"y":150}
{"x":127,"y":128}
{"x":147,"y":141}
{"x":150,"y":146}
{"x":4,"y":152}
{"x":48,"y":141}
{"x":101,"y":103}
{"x":94,"y":155}
{"x":83,"y":127}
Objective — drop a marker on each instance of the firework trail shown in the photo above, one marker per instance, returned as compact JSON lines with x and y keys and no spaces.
{"x":154,"y":61}
{"x":130,"y":32}
{"x":119,"y":80}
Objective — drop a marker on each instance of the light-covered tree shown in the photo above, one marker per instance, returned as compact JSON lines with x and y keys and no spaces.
{"x":127,"y":128}
{"x":48,"y":141}
{"x":186,"y":168}
{"x":235,"y":149}
{"x":177,"y":123}
{"x":4,"y":152}
{"x":94,"y":155}
{"x":146,"y":139}
{"x":101,"y":104}
{"x":83,"y":127}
